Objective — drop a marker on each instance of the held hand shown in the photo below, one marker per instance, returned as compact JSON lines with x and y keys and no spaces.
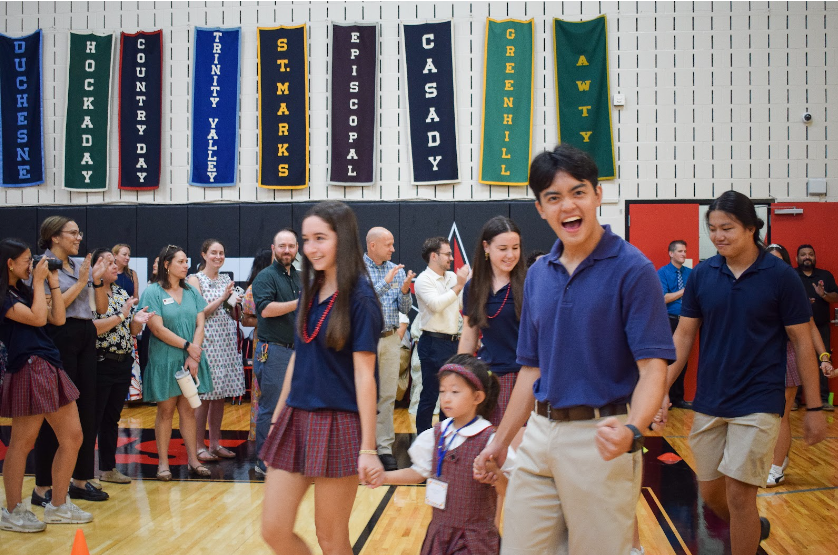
{"x":663,"y":413}
{"x":827,"y":369}
{"x":407,"y":280}
{"x":392,"y":273}
{"x":368,"y":468}
{"x":494,"y":452}
{"x":462,"y":274}
{"x":375,"y":478}
{"x":41,"y":272}
{"x":142,"y":317}
{"x":613,"y":438}
{"x":814,"y":427}
{"x":191,"y":366}
{"x":194,"y":351}
{"x":129,"y":306}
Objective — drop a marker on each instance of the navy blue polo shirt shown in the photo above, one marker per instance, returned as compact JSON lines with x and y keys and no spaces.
{"x":669,"y":283}
{"x":324,"y":378}
{"x":500,"y":338}
{"x":22,"y":340}
{"x":585,"y":332}
{"x":742,"y":356}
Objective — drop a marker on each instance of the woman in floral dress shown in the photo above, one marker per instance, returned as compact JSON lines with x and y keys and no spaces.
{"x":221,"y":349}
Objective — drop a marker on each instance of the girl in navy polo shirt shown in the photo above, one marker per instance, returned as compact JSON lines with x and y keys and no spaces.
{"x":35,"y":387}
{"x":464,"y":509}
{"x":324,"y":424}
{"x":492,"y":301}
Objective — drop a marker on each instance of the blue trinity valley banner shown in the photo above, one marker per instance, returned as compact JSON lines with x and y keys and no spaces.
{"x":21,"y":111}
{"x":140,"y":110}
{"x":431,"y":104}
{"x":216,"y":70}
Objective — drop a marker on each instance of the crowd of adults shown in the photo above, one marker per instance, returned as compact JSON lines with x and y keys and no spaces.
{"x":580,"y":377}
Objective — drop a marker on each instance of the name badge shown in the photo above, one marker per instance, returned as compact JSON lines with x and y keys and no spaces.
{"x":168,"y":301}
{"x":435,"y":493}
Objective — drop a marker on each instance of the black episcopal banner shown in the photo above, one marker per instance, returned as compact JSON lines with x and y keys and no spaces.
{"x":283,"y":107}
{"x":431,"y":102}
{"x":140,"y":110}
{"x":21,"y":111}
{"x":354,"y":72}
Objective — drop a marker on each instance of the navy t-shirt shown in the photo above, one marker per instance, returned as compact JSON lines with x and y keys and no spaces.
{"x":742,"y":356}
{"x":500,"y":337}
{"x":585,"y":332}
{"x":324,"y":378}
{"x":22,"y":340}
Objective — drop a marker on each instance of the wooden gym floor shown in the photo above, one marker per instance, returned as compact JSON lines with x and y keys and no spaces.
{"x":222,"y":515}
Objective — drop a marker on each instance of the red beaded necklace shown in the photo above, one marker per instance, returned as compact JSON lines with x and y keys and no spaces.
{"x":508,"y":289}
{"x":309,"y":338}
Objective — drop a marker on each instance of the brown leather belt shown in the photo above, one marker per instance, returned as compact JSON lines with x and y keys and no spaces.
{"x":388,"y":333}
{"x":581,"y":412}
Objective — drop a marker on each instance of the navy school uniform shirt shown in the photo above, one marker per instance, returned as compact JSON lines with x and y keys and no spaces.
{"x":324,"y":379}
{"x":742,"y":345}
{"x":500,"y":338}
{"x":585,"y":332}
{"x":22,"y":340}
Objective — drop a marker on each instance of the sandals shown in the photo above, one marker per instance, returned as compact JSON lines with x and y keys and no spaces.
{"x":164,"y":475}
{"x":200,"y":470}
{"x":205,"y":456}
{"x":224,"y":453}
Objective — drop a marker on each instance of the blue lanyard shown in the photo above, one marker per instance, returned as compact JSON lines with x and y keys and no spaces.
{"x":442,"y":449}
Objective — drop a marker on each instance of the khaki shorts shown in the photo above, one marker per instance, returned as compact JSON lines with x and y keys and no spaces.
{"x":741,"y":448}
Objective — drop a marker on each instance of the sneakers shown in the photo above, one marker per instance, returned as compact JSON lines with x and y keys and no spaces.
{"x":21,"y":520}
{"x":68,"y":513}
{"x":637,"y":551}
{"x":114,"y":476}
{"x":775,"y":477}
{"x":259,"y":470}
{"x":38,"y":501}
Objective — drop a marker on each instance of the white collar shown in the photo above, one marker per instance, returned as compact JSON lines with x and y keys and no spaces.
{"x":466,"y":431}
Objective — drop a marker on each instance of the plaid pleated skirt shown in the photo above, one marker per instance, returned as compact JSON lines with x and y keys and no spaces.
{"x":792,"y":375}
{"x":37,"y":388}
{"x":317,"y":444}
{"x":507,"y":384}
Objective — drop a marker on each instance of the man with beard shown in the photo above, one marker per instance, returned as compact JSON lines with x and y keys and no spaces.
{"x":276,"y":292}
{"x":821,"y":289}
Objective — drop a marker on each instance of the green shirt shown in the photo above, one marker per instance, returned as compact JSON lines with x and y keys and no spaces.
{"x":274,"y":284}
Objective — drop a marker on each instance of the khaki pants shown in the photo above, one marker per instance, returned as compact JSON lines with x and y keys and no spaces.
{"x":564,"y":499}
{"x":389,"y":360}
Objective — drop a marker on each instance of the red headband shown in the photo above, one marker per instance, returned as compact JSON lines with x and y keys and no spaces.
{"x":467,"y":374}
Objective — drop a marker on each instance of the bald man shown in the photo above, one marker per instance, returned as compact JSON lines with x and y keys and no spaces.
{"x":393,"y":289}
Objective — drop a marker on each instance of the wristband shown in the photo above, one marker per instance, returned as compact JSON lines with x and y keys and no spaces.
{"x":52,"y":288}
{"x":814,"y":409}
{"x":368,"y":452}
{"x":825,"y":357}
{"x":121,"y":317}
{"x":101,"y":284}
{"x":186,"y":345}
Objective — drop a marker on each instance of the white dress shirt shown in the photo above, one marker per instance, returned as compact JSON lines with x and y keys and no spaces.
{"x":439,"y":307}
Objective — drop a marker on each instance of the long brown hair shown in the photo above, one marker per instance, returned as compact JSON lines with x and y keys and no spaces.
{"x":481,"y":279}
{"x":167,"y":255}
{"x":350,"y":268}
{"x":205,"y":248}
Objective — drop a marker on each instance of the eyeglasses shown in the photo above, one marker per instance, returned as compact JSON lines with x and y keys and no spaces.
{"x":76,"y":233}
{"x":449,"y":253}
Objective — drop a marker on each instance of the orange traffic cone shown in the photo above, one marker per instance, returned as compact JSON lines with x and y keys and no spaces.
{"x":79,"y":544}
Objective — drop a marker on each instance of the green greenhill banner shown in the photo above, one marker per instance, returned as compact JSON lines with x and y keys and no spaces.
{"x":88,"y":112}
{"x":582,"y":95}
{"x":506,"y":143}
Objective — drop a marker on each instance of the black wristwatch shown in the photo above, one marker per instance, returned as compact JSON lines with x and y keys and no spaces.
{"x":637,"y":442}
{"x":101,"y":284}
{"x":186,"y":345}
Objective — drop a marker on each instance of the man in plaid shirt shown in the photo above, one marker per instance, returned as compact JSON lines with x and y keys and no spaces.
{"x":393,"y":289}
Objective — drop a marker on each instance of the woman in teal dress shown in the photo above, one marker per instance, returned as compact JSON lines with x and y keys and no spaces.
{"x":178,"y":332}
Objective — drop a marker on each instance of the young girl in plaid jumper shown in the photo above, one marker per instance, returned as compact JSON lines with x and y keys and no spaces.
{"x":324,"y":423}
{"x":463,"y":509}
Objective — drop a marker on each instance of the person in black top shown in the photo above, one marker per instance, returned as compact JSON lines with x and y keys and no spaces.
{"x":821,"y":289}
{"x":35,"y":387}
